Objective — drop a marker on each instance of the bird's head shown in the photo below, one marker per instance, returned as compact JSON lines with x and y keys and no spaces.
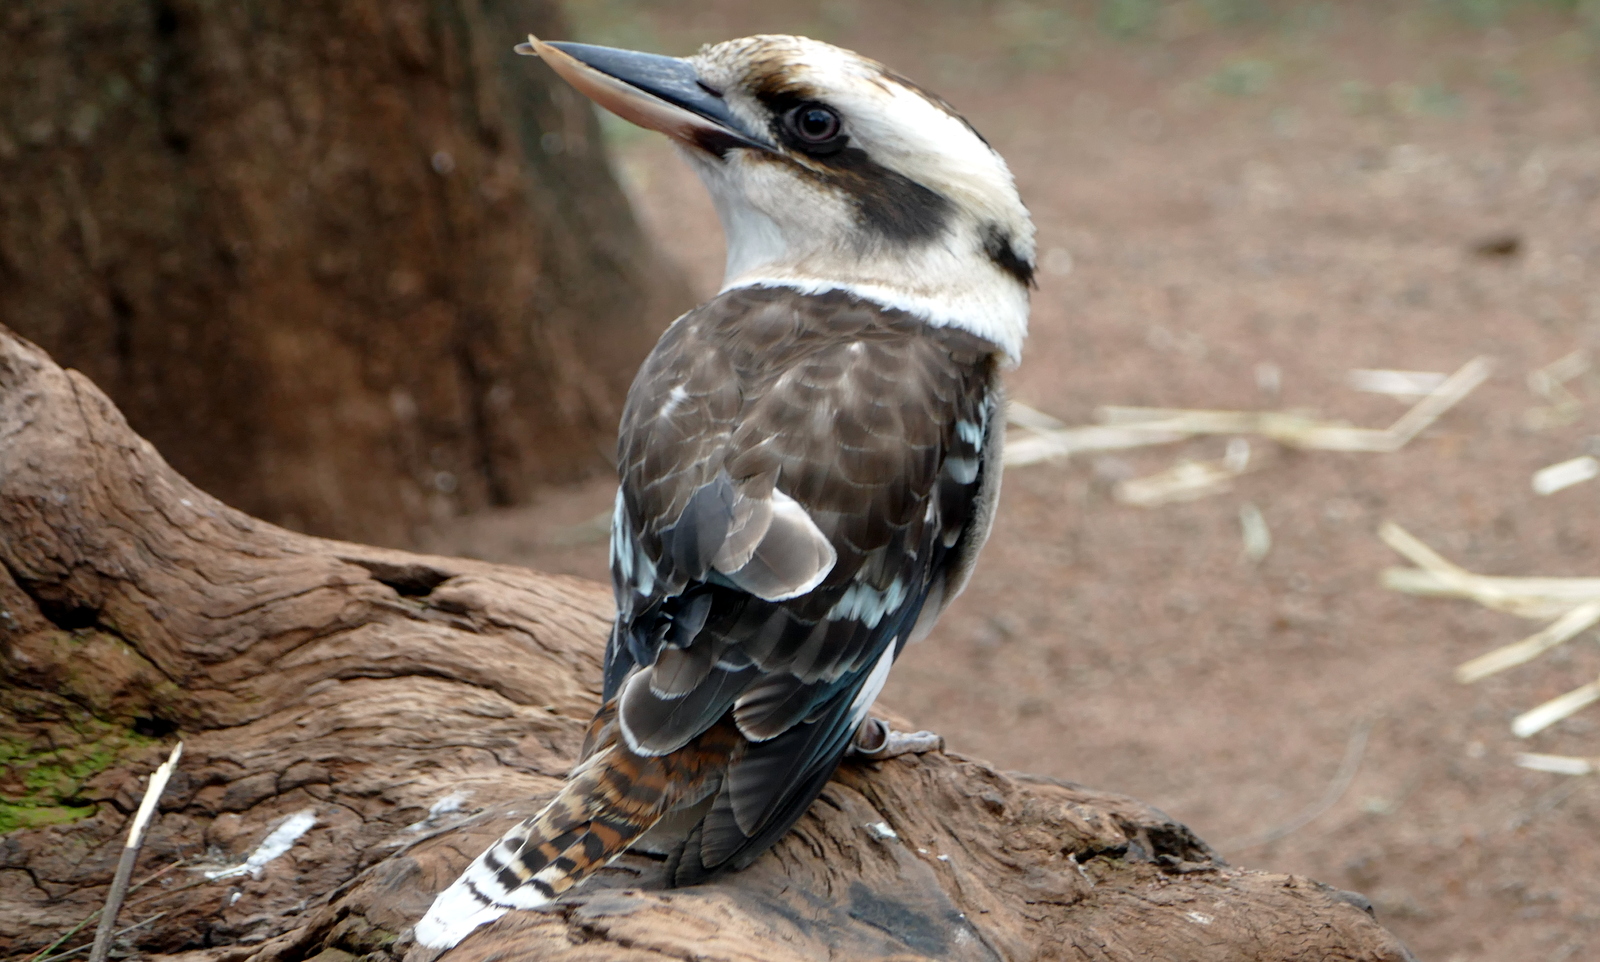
{"x":830,"y":171}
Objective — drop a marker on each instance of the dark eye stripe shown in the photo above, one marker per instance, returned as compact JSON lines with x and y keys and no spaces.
{"x":891,"y":206}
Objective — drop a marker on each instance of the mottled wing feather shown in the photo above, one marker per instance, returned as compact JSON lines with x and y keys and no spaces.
{"x":799,"y":475}
{"x":748,"y":816}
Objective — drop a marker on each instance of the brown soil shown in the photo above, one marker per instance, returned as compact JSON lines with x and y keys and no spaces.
{"x":1306,"y":191}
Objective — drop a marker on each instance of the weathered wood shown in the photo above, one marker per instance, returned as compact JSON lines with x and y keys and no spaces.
{"x":369,"y":686}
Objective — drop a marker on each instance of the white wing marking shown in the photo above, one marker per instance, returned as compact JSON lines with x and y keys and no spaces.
{"x":792,"y":557}
{"x":874,"y":684}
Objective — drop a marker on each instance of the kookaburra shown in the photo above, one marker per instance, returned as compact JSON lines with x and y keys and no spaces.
{"x":809,"y":461}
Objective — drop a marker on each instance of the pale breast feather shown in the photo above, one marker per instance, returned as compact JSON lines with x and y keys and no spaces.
{"x":800,"y":476}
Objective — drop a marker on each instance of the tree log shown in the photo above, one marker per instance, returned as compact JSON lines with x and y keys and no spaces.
{"x":350,"y":266}
{"x":416,"y":706}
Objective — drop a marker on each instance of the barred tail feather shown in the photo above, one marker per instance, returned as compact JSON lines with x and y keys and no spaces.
{"x":457,"y":911}
{"x":537,"y":860}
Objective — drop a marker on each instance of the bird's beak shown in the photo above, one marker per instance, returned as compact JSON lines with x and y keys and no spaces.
{"x":656,"y":92}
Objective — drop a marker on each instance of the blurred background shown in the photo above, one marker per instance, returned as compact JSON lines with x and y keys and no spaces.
{"x":355,"y":268}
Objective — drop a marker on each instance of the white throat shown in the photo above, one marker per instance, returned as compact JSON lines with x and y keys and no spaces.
{"x":996,"y":312}
{"x":948,"y":282}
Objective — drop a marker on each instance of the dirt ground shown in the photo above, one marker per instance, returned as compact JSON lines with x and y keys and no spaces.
{"x":1304,"y":189}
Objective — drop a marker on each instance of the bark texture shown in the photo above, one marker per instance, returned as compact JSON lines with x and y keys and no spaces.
{"x":415,"y":706}
{"x":349,"y":265}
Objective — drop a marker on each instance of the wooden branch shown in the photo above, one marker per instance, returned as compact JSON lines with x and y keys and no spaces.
{"x":360,"y":722}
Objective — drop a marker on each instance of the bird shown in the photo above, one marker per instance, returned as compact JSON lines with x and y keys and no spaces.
{"x":808,"y":463}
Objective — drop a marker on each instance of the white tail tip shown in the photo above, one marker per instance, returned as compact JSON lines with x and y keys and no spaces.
{"x":454,"y":914}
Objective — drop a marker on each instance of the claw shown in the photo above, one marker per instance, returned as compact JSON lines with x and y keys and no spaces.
{"x":875,"y":740}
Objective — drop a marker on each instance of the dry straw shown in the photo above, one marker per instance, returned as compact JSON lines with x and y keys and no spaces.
{"x":1570,"y":606}
{"x":1040,"y":437}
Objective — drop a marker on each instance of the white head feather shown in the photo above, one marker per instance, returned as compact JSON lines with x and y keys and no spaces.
{"x":900,"y":201}
{"x":815,"y":223}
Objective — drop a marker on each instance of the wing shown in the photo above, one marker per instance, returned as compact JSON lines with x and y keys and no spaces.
{"x":801,"y":479}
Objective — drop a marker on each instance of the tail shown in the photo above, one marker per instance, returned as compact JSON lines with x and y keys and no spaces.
{"x":580,"y":831}
{"x":612,"y":797}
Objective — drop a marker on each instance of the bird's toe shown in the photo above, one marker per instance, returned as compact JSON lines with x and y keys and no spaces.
{"x":876,"y":740}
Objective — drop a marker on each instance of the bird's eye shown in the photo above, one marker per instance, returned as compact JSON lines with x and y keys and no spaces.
{"x":814,"y":125}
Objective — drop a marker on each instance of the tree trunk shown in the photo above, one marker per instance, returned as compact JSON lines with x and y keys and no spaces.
{"x":348,"y":265}
{"x":415,"y":707}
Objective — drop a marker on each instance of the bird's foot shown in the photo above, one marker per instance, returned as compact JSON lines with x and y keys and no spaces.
{"x":875,"y":740}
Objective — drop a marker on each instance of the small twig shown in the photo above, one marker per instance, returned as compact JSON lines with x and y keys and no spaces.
{"x":163,"y":892}
{"x":1557,"y":764}
{"x":1300,"y":431}
{"x":152,"y":877}
{"x":1565,"y":628}
{"x":1535,"y":720}
{"x":1187,"y":480}
{"x":1042,"y":438}
{"x":1257,"y":536}
{"x":1354,"y":749}
{"x":119,"y":932}
{"x":1434,"y":577}
{"x":130,"y":854}
{"x":39,"y":956}
{"x":1398,"y":384}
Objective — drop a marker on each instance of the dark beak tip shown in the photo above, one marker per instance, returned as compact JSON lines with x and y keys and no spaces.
{"x":670,"y":79}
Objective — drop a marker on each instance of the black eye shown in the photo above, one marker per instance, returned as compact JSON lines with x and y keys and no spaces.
{"x":814,"y":125}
